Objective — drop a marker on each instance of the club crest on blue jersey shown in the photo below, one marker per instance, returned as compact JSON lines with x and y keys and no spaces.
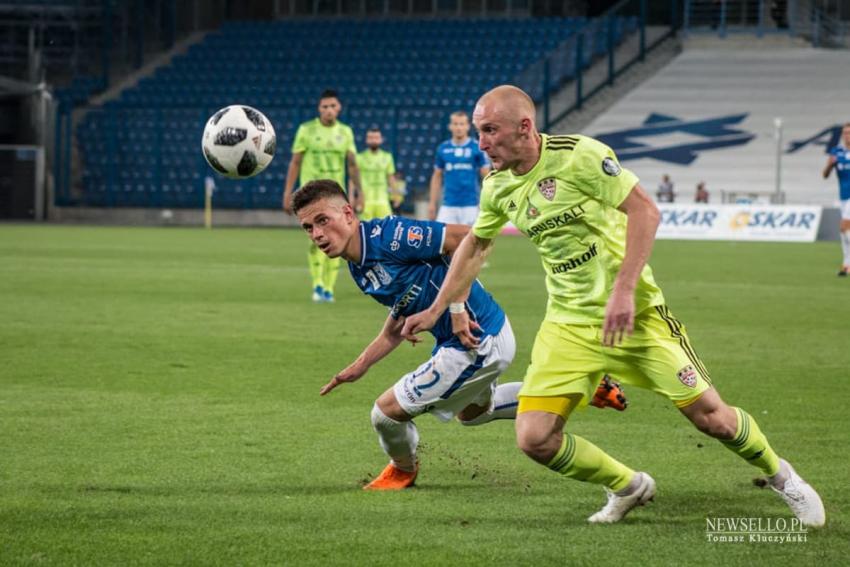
{"x":414,"y":236}
{"x":383,"y":275}
{"x":376,"y":231}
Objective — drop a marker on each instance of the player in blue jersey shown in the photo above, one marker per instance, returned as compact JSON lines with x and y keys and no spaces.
{"x":459,"y":167}
{"x":401,"y":263}
{"x":839,"y":159}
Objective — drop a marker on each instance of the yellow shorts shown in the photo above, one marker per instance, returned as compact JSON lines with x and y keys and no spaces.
{"x":569,"y":360}
{"x":375,"y":210}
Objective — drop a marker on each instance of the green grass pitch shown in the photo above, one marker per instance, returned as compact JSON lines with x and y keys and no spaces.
{"x":159,"y":405}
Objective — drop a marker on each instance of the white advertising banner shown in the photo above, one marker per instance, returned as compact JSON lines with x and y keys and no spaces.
{"x":777,"y":223}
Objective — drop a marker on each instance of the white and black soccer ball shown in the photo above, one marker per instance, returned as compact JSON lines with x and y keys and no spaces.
{"x":239,"y":141}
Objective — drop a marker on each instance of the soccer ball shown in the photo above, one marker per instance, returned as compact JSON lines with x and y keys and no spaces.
{"x":238,"y":141}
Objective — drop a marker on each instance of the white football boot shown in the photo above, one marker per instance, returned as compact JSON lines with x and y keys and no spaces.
{"x":803,"y":500}
{"x":618,"y":506}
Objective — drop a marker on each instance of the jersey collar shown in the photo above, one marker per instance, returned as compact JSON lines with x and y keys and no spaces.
{"x":362,"y":244}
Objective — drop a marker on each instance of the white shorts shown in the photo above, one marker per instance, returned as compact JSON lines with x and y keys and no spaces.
{"x":844,"y":207}
{"x":458,"y":215}
{"x":453,"y":379}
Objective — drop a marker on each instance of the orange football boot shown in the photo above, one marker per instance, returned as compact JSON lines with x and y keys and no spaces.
{"x":609,"y":394}
{"x":393,"y":478}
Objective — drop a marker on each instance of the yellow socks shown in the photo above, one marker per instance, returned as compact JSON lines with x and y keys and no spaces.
{"x":580,"y":459}
{"x":750,"y":444}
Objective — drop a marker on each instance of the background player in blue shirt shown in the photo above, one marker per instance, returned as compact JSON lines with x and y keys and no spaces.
{"x":459,"y":167}
{"x":839,"y":159}
{"x":400,"y":263}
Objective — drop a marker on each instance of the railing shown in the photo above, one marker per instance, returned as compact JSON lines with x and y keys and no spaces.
{"x":622,"y":37}
{"x":823,"y":23}
{"x":404,"y":8}
{"x":722,"y":17}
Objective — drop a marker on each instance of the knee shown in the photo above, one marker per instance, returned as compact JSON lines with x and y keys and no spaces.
{"x":388,"y":406}
{"x":540,"y":446}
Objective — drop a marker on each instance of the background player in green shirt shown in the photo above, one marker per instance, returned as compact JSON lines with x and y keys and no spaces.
{"x":377,"y":176}
{"x":594,"y":228}
{"x":321,"y":150}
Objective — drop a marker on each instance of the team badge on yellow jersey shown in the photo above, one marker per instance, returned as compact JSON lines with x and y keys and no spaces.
{"x":547,"y":188}
{"x":687,"y":376}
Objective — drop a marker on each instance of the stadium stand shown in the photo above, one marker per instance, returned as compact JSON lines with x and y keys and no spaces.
{"x":404,"y":75}
{"x":709,"y":116}
{"x":67,"y":33}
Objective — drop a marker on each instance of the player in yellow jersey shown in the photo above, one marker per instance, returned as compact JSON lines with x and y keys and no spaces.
{"x":377,"y":176}
{"x":323,"y":149}
{"x":594,"y":227}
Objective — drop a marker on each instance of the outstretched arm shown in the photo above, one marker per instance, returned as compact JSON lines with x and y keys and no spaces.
{"x":455,"y":233}
{"x":291,"y":177}
{"x":466,"y":263}
{"x":435,"y":193}
{"x":643,"y":220}
{"x":830,"y":163}
{"x":355,"y":197}
{"x":386,"y":341}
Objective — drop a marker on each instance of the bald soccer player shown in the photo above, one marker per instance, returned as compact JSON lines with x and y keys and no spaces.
{"x":594,"y":227}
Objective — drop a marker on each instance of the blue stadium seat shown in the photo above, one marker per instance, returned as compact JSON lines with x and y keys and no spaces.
{"x":143,"y":150}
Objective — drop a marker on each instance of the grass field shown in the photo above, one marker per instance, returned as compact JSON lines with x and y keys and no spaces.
{"x":159,"y":405}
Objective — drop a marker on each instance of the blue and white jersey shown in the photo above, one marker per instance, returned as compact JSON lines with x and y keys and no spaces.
{"x":460,"y":165}
{"x":401,"y":267}
{"x":842,"y":170}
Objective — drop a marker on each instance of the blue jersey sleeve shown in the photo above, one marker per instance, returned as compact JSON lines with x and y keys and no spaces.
{"x":439,"y":162}
{"x":411,"y":240}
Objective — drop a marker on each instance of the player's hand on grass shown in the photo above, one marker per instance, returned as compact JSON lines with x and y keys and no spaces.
{"x":463,"y":328}
{"x":350,"y":374}
{"x":418,"y":323}
{"x":619,"y":318}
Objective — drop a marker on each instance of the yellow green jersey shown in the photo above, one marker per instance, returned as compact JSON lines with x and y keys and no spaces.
{"x":567,"y":205}
{"x":374,"y":168}
{"x":324,"y":149}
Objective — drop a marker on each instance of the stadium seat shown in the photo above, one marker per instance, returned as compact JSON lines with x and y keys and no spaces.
{"x":382,"y":80}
